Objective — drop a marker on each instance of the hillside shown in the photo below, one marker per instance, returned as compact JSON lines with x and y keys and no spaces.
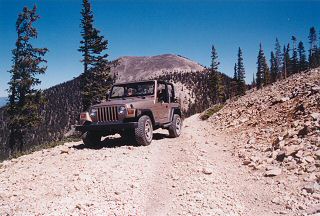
{"x":129,"y":68}
{"x":276,"y":132}
{"x":60,"y":112}
{"x":63,"y":106}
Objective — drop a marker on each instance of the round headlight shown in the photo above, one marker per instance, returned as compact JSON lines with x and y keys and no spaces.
{"x":93,"y":112}
{"x":122,"y":110}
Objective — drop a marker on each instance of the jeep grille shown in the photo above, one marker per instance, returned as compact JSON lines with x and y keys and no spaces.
{"x":109,"y":113}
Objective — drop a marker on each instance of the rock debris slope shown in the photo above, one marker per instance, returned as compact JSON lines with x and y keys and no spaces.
{"x":194,"y":174}
{"x":276,"y":132}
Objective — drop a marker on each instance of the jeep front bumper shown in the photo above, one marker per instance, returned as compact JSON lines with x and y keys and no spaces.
{"x":107,"y":126}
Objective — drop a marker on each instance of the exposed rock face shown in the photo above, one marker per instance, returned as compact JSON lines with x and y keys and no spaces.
{"x":130,"y":68}
{"x":281,"y":129}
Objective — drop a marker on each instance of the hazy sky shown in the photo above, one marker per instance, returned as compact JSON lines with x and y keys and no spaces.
{"x":143,"y":28}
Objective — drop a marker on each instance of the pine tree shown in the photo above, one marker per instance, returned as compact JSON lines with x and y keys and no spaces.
{"x":96,"y":79}
{"x":303,"y":64}
{"x":253,"y":84}
{"x":313,"y":48}
{"x":294,"y":59}
{"x":216,"y":85}
{"x":278,"y":57}
{"x":273,"y":68}
{"x":24,"y":100}
{"x":241,"y":74}
{"x":235,"y":73}
{"x":286,"y":62}
{"x":267,"y":76}
{"x":263,"y":72}
{"x":234,"y":82}
{"x":260,"y":68}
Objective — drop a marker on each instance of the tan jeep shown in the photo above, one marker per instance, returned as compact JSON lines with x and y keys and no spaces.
{"x":133,"y":110}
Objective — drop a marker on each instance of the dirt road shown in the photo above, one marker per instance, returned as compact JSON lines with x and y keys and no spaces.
{"x":194,"y":174}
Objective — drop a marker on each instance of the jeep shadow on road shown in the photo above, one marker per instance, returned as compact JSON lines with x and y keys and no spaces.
{"x":116,"y":142}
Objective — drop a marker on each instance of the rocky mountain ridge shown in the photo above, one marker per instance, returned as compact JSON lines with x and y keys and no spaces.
{"x":129,"y":68}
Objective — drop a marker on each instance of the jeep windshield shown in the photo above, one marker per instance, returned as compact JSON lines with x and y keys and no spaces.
{"x":132,"y":90}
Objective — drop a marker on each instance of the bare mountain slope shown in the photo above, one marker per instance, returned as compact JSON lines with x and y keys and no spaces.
{"x":276,"y":132}
{"x":131,"y":68}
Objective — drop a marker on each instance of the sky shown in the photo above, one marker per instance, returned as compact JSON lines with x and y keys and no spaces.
{"x":153,"y":27}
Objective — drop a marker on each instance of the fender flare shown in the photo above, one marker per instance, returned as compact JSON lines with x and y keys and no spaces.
{"x":175,"y":110}
{"x":148,"y":112}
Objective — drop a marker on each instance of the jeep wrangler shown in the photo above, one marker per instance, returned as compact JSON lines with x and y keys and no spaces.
{"x":133,"y":110}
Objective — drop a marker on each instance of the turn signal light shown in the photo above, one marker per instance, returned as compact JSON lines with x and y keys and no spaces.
{"x":83,"y":115}
{"x":130,"y":111}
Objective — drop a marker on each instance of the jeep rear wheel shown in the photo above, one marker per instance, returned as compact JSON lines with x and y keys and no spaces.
{"x":175,"y":126}
{"x":144,"y":131}
{"x":91,"y":139}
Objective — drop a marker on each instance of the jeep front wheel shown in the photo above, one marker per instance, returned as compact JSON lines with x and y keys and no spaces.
{"x":144,"y":131}
{"x":175,"y":126}
{"x":91,"y":139}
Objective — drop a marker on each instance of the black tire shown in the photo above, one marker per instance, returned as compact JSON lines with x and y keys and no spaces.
{"x":175,"y":126}
{"x":91,"y":139}
{"x":144,"y":132}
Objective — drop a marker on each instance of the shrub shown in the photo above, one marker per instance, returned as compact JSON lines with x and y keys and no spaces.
{"x":209,"y":112}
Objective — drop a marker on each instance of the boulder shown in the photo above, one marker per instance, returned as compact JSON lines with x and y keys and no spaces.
{"x":206,"y":171}
{"x":273,"y":171}
{"x":284,"y":99}
{"x":315,"y":116}
{"x":291,"y":150}
{"x":312,"y":187}
{"x":303,"y":131}
{"x":280,"y":156}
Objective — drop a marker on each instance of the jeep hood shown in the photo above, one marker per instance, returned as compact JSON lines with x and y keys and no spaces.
{"x":131,"y":100}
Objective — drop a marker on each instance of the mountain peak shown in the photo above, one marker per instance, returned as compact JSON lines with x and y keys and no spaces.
{"x":130,"y":68}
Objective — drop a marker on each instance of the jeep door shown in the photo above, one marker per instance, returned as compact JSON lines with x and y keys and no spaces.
{"x":162,"y":108}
